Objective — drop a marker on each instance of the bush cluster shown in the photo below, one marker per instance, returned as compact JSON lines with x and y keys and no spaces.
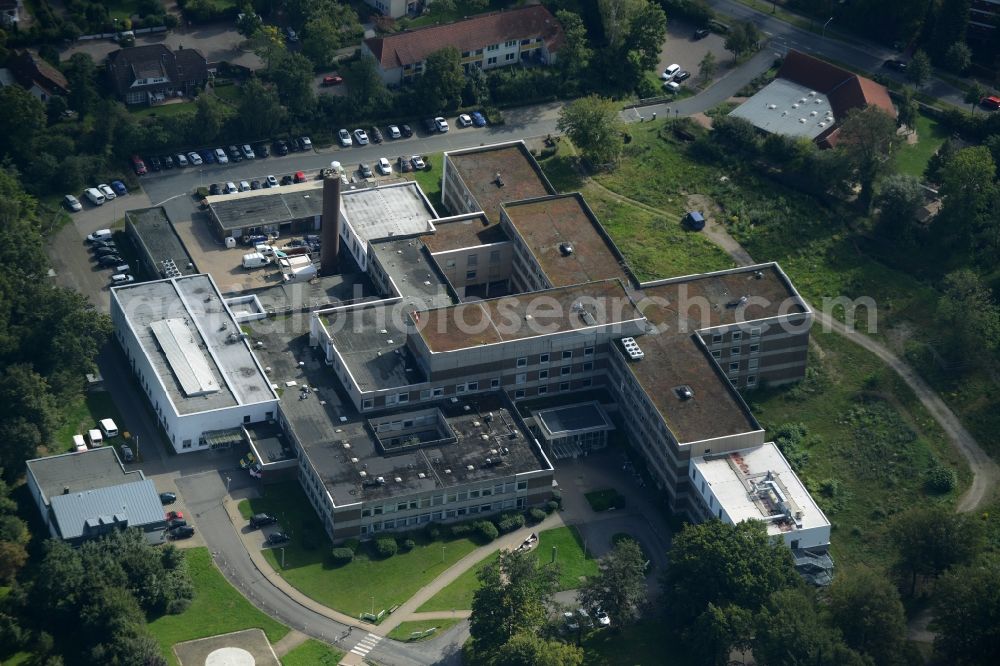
{"x":342,"y":555}
{"x":385,"y":546}
{"x":510,"y":522}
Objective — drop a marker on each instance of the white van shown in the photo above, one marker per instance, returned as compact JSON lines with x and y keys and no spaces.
{"x":94,"y":195}
{"x":255,"y":260}
{"x":94,"y":438}
{"x":109,"y":427}
{"x":99,"y":235}
{"x":78,"y":443}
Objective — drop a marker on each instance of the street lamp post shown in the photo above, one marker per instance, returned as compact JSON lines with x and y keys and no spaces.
{"x":373,"y":605}
{"x":826,"y":24}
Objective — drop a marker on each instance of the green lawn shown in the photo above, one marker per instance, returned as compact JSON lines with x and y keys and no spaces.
{"x":639,"y":645}
{"x":574,"y":564}
{"x":348,"y":588}
{"x":436,"y":17}
{"x":229,"y":93}
{"x":602,"y":500}
{"x":81,"y":416}
{"x":912,"y":158}
{"x":430,"y":179}
{"x":163,"y":110}
{"x":404,"y":631}
{"x":313,"y":653}
{"x":217,"y":609}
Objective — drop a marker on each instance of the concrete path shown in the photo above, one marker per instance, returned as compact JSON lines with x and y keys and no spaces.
{"x":292,"y":640}
{"x":438,"y":615}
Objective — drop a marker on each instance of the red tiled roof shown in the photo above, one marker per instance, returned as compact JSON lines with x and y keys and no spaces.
{"x":413,"y":46}
{"x":844,"y":89}
{"x":30,"y":68}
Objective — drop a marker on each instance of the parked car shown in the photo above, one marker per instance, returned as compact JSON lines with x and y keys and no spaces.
{"x":168,"y":498}
{"x":175,"y":515}
{"x":105,"y":252}
{"x":72,"y":203}
{"x":672,"y":86}
{"x":361,"y":137}
{"x":384,"y":167}
{"x":406,"y":130}
{"x":260,"y":519}
{"x":898,"y":65}
{"x":332,"y":80}
{"x":94,"y":196}
{"x":176,"y":522}
{"x":441,"y":124}
{"x":127,"y":455}
{"x":234,"y":154}
{"x":603,"y":619}
{"x":394,"y":132}
{"x":345,"y":138}
{"x":682,"y":75}
{"x":255,"y":185}
{"x":271,"y":181}
{"x":291,"y":34}
{"x":281,"y":147}
{"x":670,"y":71}
{"x":375,"y":134}
{"x":215,"y":189}
{"x":478,"y":119}
{"x":305,"y":143}
{"x":106,"y":190}
{"x":701,"y":33}
{"x":110,"y":261}
{"x":208,"y":156}
{"x":102,"y":243}
{"x":430,"y":125}
{"x":261,"y":150}
{"x":168,"y":162}
{"x":119,"y":188}
{"x":181,"y":160}
{"x":230,"y":188}
{"x":155,"y":163}
{"x":120,"y":279}
{"x":138,"y":165}
{"x":287,"y":179}
{"x":365,"y":170}
{"x":183,"y":532}
{"x":99,"y":235}
{"x":300,"y":177}
{"x":194,"y":159}
{"x":244,"y":186}
{"x":275,"y":538}
{"x":465,"y":120}
{"x":585,"y":619}
{"x":694,"y":220}
{"x":247,"y":152}
{"x":569,"y":620}
{"x":404,"y":164}
{"x":418,"y":162}
{"x":990,"y":102}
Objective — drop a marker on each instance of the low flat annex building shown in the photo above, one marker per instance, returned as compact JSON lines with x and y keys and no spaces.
{"x":85,"y":495}
{"x":192,"y":360}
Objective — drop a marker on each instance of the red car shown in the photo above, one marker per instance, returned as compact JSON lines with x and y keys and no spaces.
{"x":138,"y":165}
{"x":333,"y":80}
{"x":300,"y":177}
{"x":991,"y":102}
{"x":175,"y":515}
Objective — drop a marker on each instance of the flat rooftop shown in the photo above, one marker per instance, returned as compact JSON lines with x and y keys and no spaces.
{"x":372,"y":342}
{"x":268,"y":207}
{"x":162,"y":244}
{"x":134,"y":503}
{"x":77,"y":472}
{"x":787,"y":108}
{"x":410,"y":267}
{"x":193,"y":343}
{"x":399,"y":209}
{"x":566,"y":240}
{"x":462,"y":231}
{"x":573,"y":419}
{"x":758,"y":484}
{"x":497,"y":320}
{"x":521,"y":176}
{"x":501,"y":438}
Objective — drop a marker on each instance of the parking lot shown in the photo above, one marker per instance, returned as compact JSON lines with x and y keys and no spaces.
{"x":683,"y":49}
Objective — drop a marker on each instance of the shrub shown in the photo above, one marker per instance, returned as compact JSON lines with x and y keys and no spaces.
{"x":486,"y":530}
{"x":407,"y":545}
{"x":510,"y":522}
{"x":353,"y":544}
{"x":342,"y":555}
{"x":536,"y":515}
{"x":385,"y":547}
{"x":461,"y":530}
{"x":551,"y":506}
{"x":940,"y":479}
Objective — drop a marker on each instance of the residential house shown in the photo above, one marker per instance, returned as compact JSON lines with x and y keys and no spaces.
{"x":486,"y":41}
{"x":150,"y":74}
{"x":399,"y":8}
{"x":10,"y":12}
{"x":37,"y":76}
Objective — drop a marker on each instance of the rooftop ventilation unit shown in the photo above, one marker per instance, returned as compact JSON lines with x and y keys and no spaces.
{"x":684,"y":392}
{"x":566,"y":249}
{"x":421,"y":475}
{"x":739,"y":302}
{"x":380,"y":480}
{"x":498,"y":180}
{"x":772,"y":106}
{"x":398,"y":479}
{"x":470,"y":467}
{"x":632,"y":349}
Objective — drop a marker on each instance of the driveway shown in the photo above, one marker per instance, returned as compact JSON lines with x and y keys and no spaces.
{"x":682,"y":48}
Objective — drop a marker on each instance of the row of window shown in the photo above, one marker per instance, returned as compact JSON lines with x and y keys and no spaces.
{"x":545,"y":358}
{"x":736,"y":351}
{"x":563,"y":386}
{"x":424,"y":518}
{"x":444,"y":498}
{"x":735,"y":336}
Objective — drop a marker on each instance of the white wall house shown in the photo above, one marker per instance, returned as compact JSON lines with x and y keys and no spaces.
{"x":192,"y":361}
{"x":399,"y":8}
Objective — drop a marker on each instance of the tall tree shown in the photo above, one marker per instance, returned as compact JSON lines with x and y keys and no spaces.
{"x":974,"y":94}
{"x":248,"y":22}
{"x":17,"y":103}
{"x":866,"y":608}
{"x":367,"y":87}
{"x":951,"y":18}
{"x":322,"y":36}
{"x":81,"y":74}
{"x":965,"y":611}
{"x":968,"y":188}
{"x":970,"y":316}
{"x":27,"y":416}
{"x":268,"y":44}
{"x":907,"y":109}
{"x":867,"y":139}
{"x":594,"y":126}
{"x":511,"y":599}
{"x":707,"y":67}
{"x":634,"y":31}
{"x":791,"y":632}
{"x":292,"y":76}
{"x":722,"y":564}
{"x":898,"y":199}
{"x":720,"y":630}
{"x":919,"y":69}
{"x":958,"y":57}
{"x":443,"y":80}
{"x":260,"y":110}
{"x":743,"y":37}
{"x":529,"y":649}
{"x":575,"y":53}
{"x":207,"y":118}
{"x":929,"y":540}
{"x":619,"y":587}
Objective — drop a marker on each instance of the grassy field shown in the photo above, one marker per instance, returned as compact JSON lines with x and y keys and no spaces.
{"x":217,"y":609}
{"x":81,"y":416}
{"x":312,"y":653}
{"x":574,"y":565}
{"x":430,"y":179}
{"x":175,"y":109}
{"x":405,"y":629}
{"x":348,"y":588}
{"x":912,"y":158}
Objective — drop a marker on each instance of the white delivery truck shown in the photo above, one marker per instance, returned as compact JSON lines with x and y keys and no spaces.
{"x":255,"y":260}
{"x":78,"y":443}
{"x":109,"y":427}
{"x":95,"y":438}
